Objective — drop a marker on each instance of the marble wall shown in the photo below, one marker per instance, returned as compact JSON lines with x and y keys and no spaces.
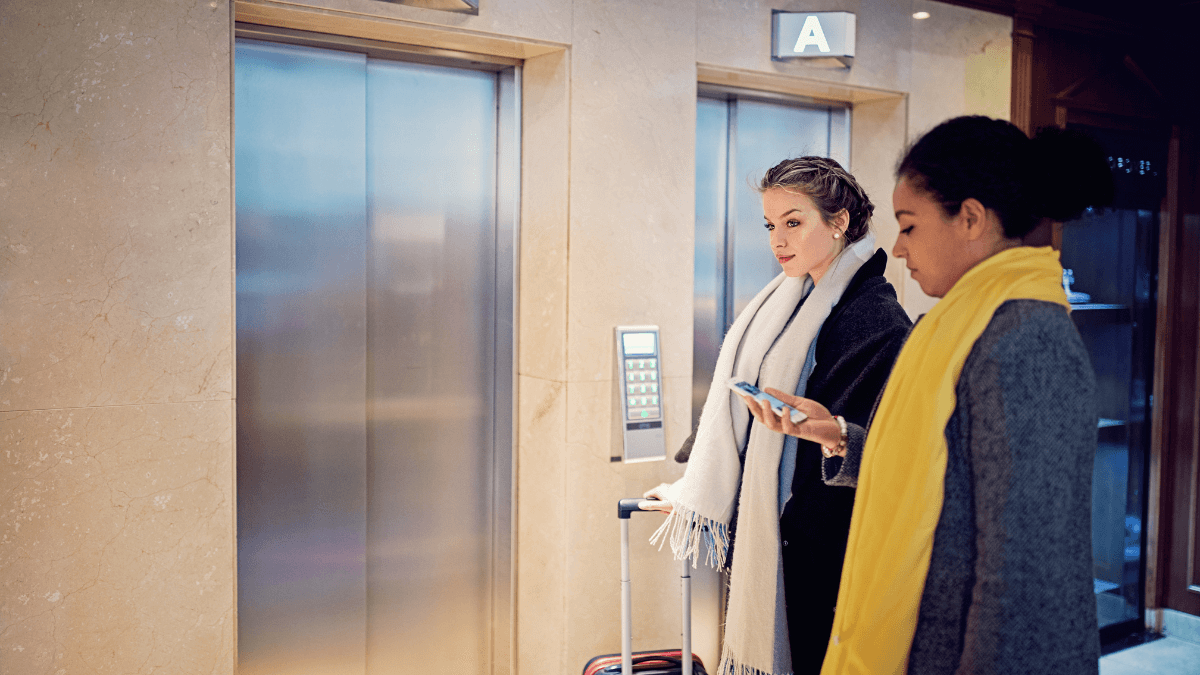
{"x":116,"y":346}
{"x":116,"y":343}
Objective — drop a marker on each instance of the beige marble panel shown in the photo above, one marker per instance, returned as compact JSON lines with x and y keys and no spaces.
{"x":739,"y":35}
{"x":536,"y":19}
{"x":962,"y":65}
{"x":955,"y":57}
{"x":958,"y":31}
{"x":545,"y":155}
{"x":633,"y":116}
{"x":594,"y":419}
{"x":594,"y":484}
{"x":988,"y":77}
{"x":115,"y":285}
{"x":117,"y":542}
{"x":542,"y":543}
{"x":876,"y":142}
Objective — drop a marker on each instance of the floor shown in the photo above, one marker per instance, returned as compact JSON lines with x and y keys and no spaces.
{"x":1167,"y":656}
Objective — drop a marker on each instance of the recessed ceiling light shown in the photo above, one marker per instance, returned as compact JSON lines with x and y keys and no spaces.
{"x":920,"y":15}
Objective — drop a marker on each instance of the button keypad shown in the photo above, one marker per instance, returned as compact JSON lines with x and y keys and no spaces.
{"x":641,"y":389}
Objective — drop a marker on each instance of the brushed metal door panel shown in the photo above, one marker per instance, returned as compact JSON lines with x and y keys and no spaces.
{"x":301,"y":341}
{"x":432,"y":299}
{"x":708,"y":325}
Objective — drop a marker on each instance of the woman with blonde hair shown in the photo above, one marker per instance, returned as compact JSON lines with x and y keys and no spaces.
{"x":827,"y":327}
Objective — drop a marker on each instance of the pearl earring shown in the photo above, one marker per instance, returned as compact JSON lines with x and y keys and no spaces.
{"x":836,"y":235}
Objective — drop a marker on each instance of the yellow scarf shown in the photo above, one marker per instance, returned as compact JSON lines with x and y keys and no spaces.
{"x":901,"y":481}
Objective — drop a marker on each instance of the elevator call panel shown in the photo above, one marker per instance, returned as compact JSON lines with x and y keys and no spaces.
{"x":639,"y":365}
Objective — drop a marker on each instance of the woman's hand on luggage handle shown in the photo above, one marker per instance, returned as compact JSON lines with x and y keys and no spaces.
{"x":656,"y":499}
{"x":820,"y":427}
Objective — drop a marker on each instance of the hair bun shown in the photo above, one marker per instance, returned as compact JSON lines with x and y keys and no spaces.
{"x":829,"y":186}
{"x":1070,"y":173}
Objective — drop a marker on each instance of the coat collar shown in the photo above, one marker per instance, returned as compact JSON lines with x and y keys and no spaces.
{"x":874,"y":267}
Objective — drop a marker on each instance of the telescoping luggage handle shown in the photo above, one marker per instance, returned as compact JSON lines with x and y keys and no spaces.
{"x":625,"y":509}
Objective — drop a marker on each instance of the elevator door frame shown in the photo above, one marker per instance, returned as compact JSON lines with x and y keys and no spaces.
{"x":502,"y":636}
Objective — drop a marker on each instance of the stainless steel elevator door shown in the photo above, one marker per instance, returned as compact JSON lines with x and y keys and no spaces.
{"x":738,"y":138}
{"x":368,"y":354}
{"x":431,"y":178}
{"x":708,"y":308}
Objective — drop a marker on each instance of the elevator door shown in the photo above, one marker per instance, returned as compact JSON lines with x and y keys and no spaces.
{"x":738,"y":138}
{"x":374,"y":357}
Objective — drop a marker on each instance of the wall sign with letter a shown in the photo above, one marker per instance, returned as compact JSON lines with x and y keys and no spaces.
{"x":813,"y":35}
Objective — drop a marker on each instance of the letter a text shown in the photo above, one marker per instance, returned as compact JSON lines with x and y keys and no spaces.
{"x":811,"y":34}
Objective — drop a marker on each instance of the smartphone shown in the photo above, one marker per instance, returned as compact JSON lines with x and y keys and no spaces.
{"x":743,"y":387}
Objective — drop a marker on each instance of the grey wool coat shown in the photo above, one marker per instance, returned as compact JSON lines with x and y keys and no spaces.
{"x":1009,"y":588}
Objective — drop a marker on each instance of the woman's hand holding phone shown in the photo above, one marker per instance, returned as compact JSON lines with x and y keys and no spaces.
{"x":820,"y":427}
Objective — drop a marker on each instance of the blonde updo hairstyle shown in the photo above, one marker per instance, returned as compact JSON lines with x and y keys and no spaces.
{"x":829,"y":186}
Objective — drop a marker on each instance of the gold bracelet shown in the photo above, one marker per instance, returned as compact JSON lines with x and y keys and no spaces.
{"x":843,"y":440}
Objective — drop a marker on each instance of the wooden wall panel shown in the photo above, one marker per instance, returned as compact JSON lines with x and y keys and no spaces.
{"x":1177,"y":582}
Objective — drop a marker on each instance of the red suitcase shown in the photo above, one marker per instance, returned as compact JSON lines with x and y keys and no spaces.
{"x":659,"y":662}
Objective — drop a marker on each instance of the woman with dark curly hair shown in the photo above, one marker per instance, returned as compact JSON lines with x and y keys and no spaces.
{"x":827,"y":327}
{"x":970,"y":549}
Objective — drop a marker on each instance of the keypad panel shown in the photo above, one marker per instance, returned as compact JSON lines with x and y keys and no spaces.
{"x":641,"y":389}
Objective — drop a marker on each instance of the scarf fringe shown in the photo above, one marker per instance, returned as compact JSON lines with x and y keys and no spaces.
{"x":685,"y":529}
{"x":730,"y":666}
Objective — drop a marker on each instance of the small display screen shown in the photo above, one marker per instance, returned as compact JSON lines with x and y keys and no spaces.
{"x":638,"y":344}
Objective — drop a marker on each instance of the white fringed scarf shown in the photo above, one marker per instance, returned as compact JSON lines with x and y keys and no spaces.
{"x":763,"y":347}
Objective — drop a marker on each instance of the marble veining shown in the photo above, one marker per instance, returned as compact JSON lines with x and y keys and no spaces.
{"x":115,"y":188}
{"x":116,"y":344}
{"x":116,"y":546}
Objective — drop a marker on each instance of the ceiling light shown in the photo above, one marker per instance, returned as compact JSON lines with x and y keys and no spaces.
{"x":920,"y":15}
